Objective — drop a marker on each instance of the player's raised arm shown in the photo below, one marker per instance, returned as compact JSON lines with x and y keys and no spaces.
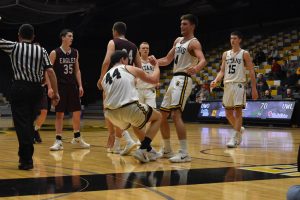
{"x":250,"y":67}
{"x":221,"y":73}
{"x":7,"y":46}
{"x":149,"y":78}
{"x":138,"y":61}
{"x":110,"y":50}
{"x":169,"y":57}
{"x":196,"y":48}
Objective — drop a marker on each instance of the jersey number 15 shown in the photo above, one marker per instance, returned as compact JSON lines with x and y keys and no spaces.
{"x":231,"y":69}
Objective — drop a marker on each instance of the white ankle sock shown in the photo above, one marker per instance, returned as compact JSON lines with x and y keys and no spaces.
{"x":183,"y":145}
{"x":167,"y":145}
{"x":235,"y":133}
{"x":127,"y":136}
{"x":117,"y":141}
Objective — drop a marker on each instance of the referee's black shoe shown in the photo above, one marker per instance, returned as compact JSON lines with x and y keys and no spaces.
{"x":25,"y":166}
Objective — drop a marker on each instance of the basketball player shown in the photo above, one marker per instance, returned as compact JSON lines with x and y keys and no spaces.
{"x":146,"y":91}
{"x":119,"y":42}
{"x":66,"y":66}
{"x":188,"y":59}
{"x":43,"y":107}
{"x":121,"y":103}
{"x":233,"y":69}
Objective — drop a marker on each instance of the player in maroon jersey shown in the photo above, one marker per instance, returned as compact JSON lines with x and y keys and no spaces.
{"x":66,"y":66}
{"x":119,"y":42}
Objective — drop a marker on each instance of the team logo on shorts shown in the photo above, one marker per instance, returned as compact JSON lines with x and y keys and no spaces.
{"x":177,"y":83}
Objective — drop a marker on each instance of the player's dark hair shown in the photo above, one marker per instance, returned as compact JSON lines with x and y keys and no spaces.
{"x":64,"y":32}
{"x":237,"y":33}
{"x":191,"y":18}
{"x":116,"y":57}
{"x":120,"y":27}
{"x":26,"y":31}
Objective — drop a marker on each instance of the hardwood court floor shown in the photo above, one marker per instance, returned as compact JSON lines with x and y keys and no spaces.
{"x":263,"y":167}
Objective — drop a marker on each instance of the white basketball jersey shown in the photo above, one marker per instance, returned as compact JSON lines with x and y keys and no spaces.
{"x":183,"y":59}
{"x":119,"y":87}
{"x":149,"y":69}
{"x":235,"y":70}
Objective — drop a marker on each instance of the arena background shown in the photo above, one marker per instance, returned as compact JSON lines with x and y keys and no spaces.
{"x":154,"y":21}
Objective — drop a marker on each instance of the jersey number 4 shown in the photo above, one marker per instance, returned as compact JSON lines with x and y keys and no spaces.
{"x":109,"y":78}
{"x":231,"y":69}
{"x":130,"y":56}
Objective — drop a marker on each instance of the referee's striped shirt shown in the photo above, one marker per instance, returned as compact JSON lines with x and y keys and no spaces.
{"x":29,"y":61}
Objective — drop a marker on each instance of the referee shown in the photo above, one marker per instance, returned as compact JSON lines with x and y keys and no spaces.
{"x":29,"y":61}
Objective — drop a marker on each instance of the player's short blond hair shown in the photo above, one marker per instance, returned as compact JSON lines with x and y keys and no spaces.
{"x":144,"y":43}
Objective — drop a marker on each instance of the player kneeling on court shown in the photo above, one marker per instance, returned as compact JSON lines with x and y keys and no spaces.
{"x":122,"y":105}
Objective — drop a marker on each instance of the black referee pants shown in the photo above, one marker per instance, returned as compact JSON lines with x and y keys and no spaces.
{"x":25,"y":97}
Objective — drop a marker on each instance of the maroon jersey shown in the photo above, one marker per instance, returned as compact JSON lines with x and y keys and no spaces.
{"x":129,"y":47}
{"x":64,"y":66}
